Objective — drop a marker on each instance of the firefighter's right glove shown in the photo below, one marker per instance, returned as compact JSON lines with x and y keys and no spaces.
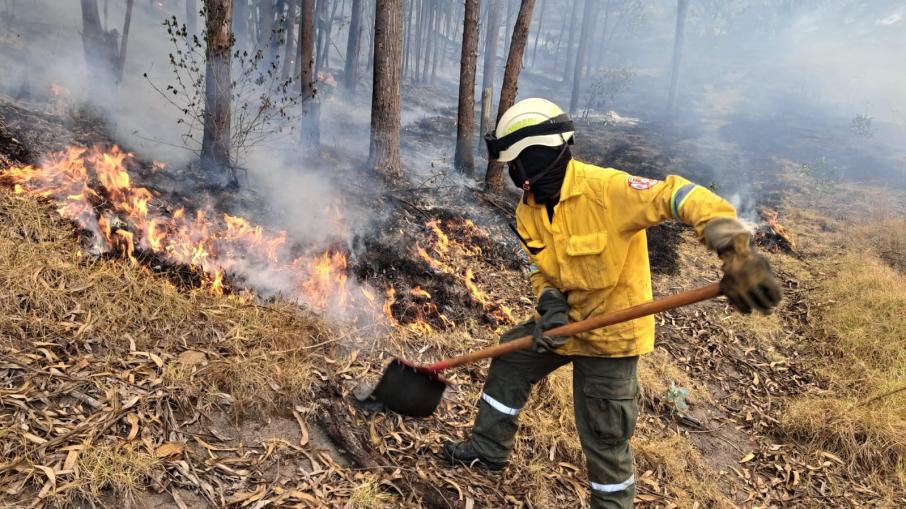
{"x":552,"y":309}
{"x":748,"y":282}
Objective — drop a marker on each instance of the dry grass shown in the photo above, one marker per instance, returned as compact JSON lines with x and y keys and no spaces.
{"x":861,"y":351}
{"x":368,"y":495}
{"x":677,"y":461}
{"x":120,"y":467}
{"x":55,"y":294}
{"x":886,"y":236}
{"x":548,"y":423}
{"x":656,"y":372}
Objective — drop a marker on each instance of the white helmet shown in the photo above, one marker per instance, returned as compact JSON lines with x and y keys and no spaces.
{"x":529,"y":122}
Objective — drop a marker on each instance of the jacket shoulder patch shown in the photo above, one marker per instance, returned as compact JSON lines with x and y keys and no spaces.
{"x":642,"y":183}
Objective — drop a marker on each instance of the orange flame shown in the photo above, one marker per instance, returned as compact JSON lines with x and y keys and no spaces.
{"x":420,"y":293}
{"x":477,"y":294}
{"x":215,"y":245}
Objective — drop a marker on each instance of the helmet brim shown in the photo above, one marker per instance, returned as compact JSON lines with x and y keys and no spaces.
{"x":549,"y":140}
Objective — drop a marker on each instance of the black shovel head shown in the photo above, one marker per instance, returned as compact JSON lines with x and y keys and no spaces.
{"x":409,"y":390}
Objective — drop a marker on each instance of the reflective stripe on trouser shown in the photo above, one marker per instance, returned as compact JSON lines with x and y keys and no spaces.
{"x":510,"y":380}
{"x":605,"y":397}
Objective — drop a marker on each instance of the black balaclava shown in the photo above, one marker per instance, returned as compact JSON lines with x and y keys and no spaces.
{"x":545,"y":169}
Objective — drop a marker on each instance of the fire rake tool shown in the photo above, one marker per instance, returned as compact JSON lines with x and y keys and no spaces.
{"x":416,"y":391}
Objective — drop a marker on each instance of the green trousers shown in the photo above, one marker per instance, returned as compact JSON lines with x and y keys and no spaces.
{"x":605,"y":399}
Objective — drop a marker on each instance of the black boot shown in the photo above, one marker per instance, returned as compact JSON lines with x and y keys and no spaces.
{"x":464,"y":452}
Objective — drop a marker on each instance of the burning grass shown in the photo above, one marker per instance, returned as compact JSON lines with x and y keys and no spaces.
{"x":96,"y":355}
{"x":95,"y":188}
{"x":55,"y":294}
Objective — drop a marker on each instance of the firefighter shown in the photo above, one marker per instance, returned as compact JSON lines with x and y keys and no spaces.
{"x":583,"y":228}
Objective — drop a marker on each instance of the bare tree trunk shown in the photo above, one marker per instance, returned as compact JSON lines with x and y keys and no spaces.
{"x":681,"y":7}
{"x":216,"y":141}
{"x":419,"y":38}
{"x":324,"y":58}
{"x":429,"y":38}
{"x":570,"y":43}
{"x":588,"y":16}
{"x":121,"y":62}
{"x":384,"y":152}
{"x":603,"y":36}
{"x":321,"y":23}
{"x":436,"y":34}
{"x":493,"y":179}
{"x":290,"y":40}
{"x":464,"y":160}
{"x":191,"y":16}
{"x":538,"y":33}
{"x":311,"y":108}
{"x":508,"y":26}
{"x":408,"y":45}
{"x":265,"y":27}
{"x":490,"y":65}
{"x":370,"y":24}
{"x":560,"y":37}
{"x":241,"y":24}
{"x":100,"y":51}
{"x":352,"y":45}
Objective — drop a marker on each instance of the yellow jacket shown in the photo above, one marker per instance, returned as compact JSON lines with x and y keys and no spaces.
{"x":596,"y":252}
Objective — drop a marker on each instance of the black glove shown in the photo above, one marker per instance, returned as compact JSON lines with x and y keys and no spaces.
{"x":552,"y":308}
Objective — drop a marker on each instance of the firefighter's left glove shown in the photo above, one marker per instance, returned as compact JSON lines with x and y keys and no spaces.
{"x":748,"y":282}
{"x":552,"y":309}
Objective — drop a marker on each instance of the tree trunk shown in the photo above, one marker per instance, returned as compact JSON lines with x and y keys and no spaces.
{"x":384,"y":152}
{"x":603,"y":38}
{"x":321,"y":24}
{"x":265,"y":28}
{"x":100,"y":48}
{"x":419,"y":38}
{"x":508,"y":26}
{"x":490,"y":65}
{"x":426,"y":33}
{"x":290,"y":40}
{"x":121,"y":62}
{"x":464,"y":159}
{"x":352,"y":45}
{"x":436,"y":34}
{"x":370,"y":24}
{"x":681,"y":7}
{"x":241,"y":24}
{"x":215,"y":144}
{"x":324,"y":58}
{"x":588,"y":16}
{"x":560,"y":37}
{"x":494,"y":177}
{"x":311,"y":108}
{"x":538,"y":33}
{"x":191,"y":17}
{"x":407,"y":50}
{"x":570,"y":42}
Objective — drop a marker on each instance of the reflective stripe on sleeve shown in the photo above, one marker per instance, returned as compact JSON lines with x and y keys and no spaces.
{"x":533,"y":269}
{"x":679,"y":197}
{"x":500,"y":407}
{"x":610,"y":488}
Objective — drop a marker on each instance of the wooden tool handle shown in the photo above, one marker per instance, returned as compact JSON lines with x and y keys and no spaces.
{"x":596,"y":322}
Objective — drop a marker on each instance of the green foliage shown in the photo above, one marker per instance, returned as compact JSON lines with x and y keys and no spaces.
{"x":262,"y":103}
{"x":676,"y":396}
{"x":824,"y":173}
{"x":861,"y":125}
